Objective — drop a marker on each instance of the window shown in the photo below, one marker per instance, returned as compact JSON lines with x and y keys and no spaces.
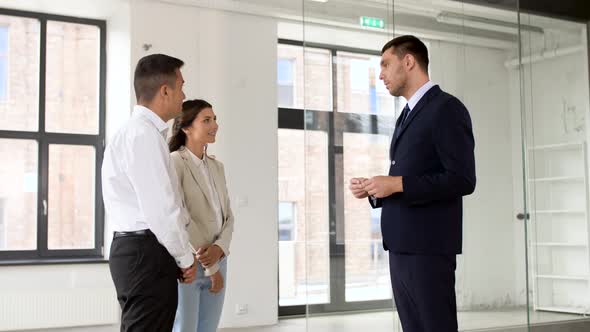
{"x":335,"y":122}
{"x":296,"y":66}
{"x":375,"y":224}
{"x":52,"y":129}
{"x":359,"y":87}
{"x":377,"y":252}
{"x":2,"y":233}
{"x":285,"y":86}
{"x":299,"y":243}
{"x":3,"y":62}
{"x":286,"y":221}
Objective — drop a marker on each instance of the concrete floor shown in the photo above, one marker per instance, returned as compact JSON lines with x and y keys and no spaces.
{"x":388,"y":321}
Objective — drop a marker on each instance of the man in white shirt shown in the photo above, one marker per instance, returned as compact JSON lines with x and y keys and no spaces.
{"x":150,"y":248}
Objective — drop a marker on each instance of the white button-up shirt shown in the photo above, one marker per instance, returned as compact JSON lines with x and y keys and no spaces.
{"x":418,"y":95}
{"x":140,"y":186}
{"x":203,"y":167}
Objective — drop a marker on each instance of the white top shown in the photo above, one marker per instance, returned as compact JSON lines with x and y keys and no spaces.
{"x":140,"y":186}
{"x":418,"y":95}
{"x":203,"y":167}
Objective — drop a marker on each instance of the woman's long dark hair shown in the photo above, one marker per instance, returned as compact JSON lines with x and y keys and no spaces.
{"x":190,"y":110}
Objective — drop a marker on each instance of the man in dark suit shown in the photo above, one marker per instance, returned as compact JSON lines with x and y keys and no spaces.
{"x":432,"y":168}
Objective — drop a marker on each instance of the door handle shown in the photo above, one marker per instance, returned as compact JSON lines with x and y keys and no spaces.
{"x":45,"y":207}
{"x":522,"y":216}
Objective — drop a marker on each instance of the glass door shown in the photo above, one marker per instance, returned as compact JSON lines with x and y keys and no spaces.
{"x":555,"y":98}
{"x":469,"y":43}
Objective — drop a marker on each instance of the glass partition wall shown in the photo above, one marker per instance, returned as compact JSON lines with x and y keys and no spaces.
{"x":524,"y":80}
{"x":331,"y":110}
{"x":354,"y":127}
{"x":555,"y":105}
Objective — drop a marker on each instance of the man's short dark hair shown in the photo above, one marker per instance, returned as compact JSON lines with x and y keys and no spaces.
{"x":152,"y":72}
{"x":409,"y":44}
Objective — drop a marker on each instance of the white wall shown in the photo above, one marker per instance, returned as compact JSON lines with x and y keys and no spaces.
{"x":53,"y":295}
{"x":486,"y":270}
{"x":231,"y":62}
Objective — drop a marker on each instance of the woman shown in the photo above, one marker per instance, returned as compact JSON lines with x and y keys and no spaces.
{"x":202,"y":180}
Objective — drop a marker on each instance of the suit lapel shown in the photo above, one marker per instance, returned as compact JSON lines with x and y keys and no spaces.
{"x":196,"y":174}
{"x":434,"y":91}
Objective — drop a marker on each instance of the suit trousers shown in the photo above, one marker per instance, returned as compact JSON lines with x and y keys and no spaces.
{"x":424,"y":291}
{"x":145,"y":277}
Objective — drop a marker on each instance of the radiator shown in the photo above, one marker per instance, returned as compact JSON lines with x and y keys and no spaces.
{"x":67,"y":308}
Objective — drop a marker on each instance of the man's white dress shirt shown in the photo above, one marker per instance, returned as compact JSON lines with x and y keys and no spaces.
{"x":140,"y":186}
{"x":418,"y":95}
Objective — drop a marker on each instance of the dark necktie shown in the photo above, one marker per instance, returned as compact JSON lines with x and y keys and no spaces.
{"x":404,"y":115}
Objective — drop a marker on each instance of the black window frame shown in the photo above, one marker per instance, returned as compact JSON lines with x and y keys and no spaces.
{"x":42,"y":254}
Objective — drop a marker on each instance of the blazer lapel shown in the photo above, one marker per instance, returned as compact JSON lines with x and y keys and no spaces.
{"x":215,"y":176}
{"x":196,"y":174}
{"x":434,"y":91}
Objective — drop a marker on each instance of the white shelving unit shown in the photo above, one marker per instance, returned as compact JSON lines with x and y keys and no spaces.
{"x":560,"y":211}
{"x":559,"y":233}
{"x":558,"y":179}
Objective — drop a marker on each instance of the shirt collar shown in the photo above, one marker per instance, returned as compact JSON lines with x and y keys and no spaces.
{"x":152,"y":117}
{"x":195,"y":159}
{"x":419,"y":94}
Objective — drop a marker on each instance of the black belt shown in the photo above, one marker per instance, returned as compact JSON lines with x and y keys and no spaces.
{"x":141,"y":232}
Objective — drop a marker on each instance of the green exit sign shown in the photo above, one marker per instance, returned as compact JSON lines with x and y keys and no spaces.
{"x":372,"y":22}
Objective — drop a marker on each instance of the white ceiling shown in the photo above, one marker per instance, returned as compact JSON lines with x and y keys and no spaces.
{"x":409,"y":16}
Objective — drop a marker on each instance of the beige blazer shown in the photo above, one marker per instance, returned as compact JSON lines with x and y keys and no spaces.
{"x":203,"y":227}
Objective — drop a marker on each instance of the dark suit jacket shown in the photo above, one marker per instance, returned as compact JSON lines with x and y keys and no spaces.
{"x":434,"y":152}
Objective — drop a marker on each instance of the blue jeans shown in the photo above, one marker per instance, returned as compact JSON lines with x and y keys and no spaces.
{"x":199,"y":310}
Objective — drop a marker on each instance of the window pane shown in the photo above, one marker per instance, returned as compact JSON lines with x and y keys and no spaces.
{"x":366,"y":265}
{"x":3,"y":62}
{"x":290,"y":77}
{"x":72,"y":78}
{"x":304,"y":264}
{"x":19,"y":73}
{"x":359,"y":87}
{"x":71,"y":197}
{"x":18,"y":194}
{"x":287,"y":221}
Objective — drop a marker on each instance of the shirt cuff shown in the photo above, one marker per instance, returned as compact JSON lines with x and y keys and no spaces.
{"x":220,"y":245}
{"x":212,"y":270}
{"x":185,"y":261}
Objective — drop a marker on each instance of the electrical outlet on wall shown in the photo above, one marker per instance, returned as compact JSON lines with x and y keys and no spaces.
{"x":241,"y":309}
{"x":241,"y":201}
